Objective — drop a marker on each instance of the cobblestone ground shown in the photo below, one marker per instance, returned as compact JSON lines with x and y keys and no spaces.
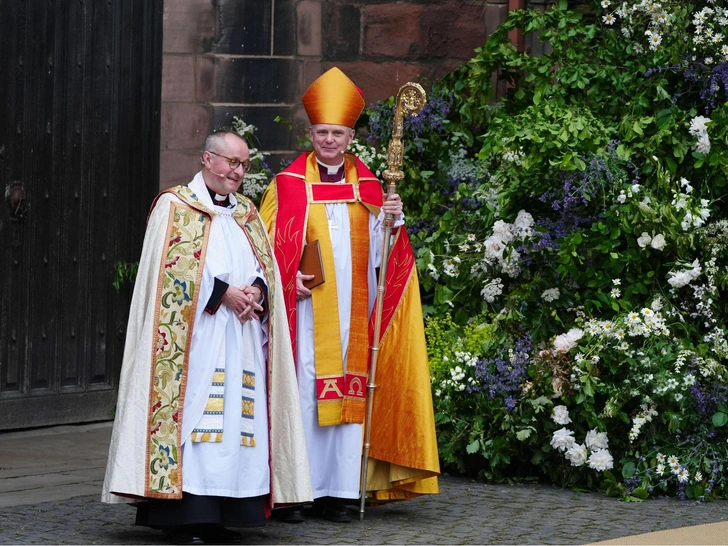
{"x":465,"y":512}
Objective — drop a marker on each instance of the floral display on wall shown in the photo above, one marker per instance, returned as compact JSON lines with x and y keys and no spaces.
{"x":569,"y":220}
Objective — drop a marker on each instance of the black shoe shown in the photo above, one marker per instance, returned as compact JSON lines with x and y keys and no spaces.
{"x":292,"y":514}
{"x":339,"y":514}
{"x":182,"y":536}
{"x":221,"y":535}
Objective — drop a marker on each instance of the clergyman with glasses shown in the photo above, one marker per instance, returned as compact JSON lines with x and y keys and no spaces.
{"x":208,"y":432}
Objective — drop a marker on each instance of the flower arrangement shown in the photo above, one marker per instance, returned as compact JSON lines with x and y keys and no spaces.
{"x":705,"y":35}
{"x":572,"y":250}
{"x":255,"y":181}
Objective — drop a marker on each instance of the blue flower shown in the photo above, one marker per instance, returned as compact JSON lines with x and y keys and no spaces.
{"x":180,"y":294}
{"x":165,"y":459}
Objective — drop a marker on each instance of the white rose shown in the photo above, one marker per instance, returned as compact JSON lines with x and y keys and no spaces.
{"x":564,"y":342}
{"x":658,"y":242}
{"x":601,"y":460}
{"x":560,"y":415}
{"x":563,"y":440}
{"x":698,"y":125}
{"x":575,"y":334}
{"x":678,"y":279}
{"x":494,"y":247}
{"x":503,"y":230}
{"x":596,"y":440}
{"x":644,"y":240}
{"x":576,"y":455}
{"x":702,"y":146}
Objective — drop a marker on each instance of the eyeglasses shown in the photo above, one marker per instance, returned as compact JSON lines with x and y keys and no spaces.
{"x":234,"y":162}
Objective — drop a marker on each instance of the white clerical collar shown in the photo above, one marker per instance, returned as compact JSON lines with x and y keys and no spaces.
{"x":329,"y":168}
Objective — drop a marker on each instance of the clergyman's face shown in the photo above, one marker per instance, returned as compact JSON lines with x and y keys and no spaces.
{"x":221,"y":178}
{"x":330,"y":142}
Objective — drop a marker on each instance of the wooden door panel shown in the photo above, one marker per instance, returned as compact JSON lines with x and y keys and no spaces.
{"x":79,"y":135}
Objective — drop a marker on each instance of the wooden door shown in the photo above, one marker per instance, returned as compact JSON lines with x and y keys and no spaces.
{"x":80,"y":88}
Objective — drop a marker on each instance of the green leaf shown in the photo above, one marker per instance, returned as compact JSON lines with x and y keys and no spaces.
{"x":641,"y":493}
{"x":720,"y":419}
{"x":473,"y":447}
{"x":589,"y":385}
{"x":632,"y":498}
{"x":628,"y":470}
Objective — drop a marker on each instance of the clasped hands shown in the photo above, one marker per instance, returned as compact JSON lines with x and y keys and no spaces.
{"x":243,"y":301}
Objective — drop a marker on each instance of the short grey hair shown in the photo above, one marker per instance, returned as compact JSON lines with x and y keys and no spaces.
{"x":215,"y":139}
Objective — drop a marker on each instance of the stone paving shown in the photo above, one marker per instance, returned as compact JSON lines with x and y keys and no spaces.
{"x":465,"y":512}
{"x":50,"y":484}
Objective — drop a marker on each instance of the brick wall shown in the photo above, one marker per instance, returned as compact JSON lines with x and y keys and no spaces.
{"x":255,"y":58}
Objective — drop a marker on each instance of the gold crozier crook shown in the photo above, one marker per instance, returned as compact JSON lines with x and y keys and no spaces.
{"x":410,"y":101}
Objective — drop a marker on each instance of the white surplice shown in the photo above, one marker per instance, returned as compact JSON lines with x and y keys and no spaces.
{"x":334,"y":452}
{"x":226,"y":469}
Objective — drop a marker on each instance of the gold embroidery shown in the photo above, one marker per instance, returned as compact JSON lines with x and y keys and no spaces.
{"x":180,"y":274}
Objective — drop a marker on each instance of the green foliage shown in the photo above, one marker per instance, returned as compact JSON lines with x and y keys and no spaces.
{"x":571,"y":203}
{"x":256,"y":180}
{"x":124,"y":272}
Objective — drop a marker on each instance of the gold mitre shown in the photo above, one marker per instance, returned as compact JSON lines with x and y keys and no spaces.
{"x":333,"y":99}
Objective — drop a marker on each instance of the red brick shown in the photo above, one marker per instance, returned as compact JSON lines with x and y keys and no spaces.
{"x":308,"y":28}
{"x":177,"y":167}
{"x":380,"y":80}
{"x":185,"y":126}
{"x":204,"y":78}
{"x":178,"y":78}
{"x":407,"y":31}
{"x":311,"y":71}
{"x":392,"y":30}
{"x":188,"y":25}
{"x":300,"y":123}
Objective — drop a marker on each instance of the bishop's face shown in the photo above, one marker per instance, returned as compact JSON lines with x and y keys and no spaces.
{"x":330,"y":142}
